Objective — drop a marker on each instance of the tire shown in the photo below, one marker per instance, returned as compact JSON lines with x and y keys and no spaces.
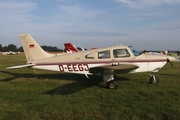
{"x":154,"y":80}
{"x":112,"y":85}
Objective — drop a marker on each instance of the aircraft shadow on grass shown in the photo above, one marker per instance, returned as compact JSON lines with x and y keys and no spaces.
{"x":81,"y":82}
{"x":167,"y":74}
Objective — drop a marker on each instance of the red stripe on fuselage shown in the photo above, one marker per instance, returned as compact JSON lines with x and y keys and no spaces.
{"x":102,"y":62}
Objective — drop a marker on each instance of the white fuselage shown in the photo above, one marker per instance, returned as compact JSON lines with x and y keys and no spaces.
{"x":84,"y":67}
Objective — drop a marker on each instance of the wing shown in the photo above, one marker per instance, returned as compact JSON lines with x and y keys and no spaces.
{"x":114,"y":68}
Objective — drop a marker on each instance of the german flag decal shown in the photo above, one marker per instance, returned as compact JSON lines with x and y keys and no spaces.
{"x":31,"y":46}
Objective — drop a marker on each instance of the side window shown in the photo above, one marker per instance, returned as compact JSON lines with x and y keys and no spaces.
{"x":90,"y":56}
{"x":104,"y":54}
{"x":117,"y":53}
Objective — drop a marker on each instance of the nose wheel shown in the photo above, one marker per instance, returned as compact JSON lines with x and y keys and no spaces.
{"x":154,"y":80}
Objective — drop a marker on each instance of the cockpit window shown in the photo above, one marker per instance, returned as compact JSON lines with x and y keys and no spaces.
{"x":135,"y":52}
{"x":117,"y":53}
{"x":104,"y":54}
{"x":90,"y":56}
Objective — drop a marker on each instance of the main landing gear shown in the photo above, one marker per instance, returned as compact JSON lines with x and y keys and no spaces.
{"x":110,"y":82}
{"x":154,"y":79}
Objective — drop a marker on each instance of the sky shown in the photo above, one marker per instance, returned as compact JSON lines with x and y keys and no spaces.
{"x":142,"y":24}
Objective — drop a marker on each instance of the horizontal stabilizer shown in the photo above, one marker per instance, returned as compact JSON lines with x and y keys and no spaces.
{"x":20,"y":66}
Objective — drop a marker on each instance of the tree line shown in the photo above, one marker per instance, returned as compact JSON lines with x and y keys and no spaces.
{"x":14,"y":48}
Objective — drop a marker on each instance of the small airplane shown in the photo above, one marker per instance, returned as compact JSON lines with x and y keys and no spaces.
{"x":70,"y":48}
{"x":10,"y":53}
{"x":107,"y":61}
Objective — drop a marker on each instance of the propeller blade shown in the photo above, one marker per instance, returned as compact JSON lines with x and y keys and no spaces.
{"x":170,"y":62}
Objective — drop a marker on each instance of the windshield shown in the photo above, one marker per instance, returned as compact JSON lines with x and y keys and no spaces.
{"x":135,"y":52}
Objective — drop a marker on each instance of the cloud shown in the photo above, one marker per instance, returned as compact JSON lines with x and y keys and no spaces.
{"x":78,"y":11}
{"x":141,"y":3}
{"x":76,"y":16}
{"x":13,"y":11}
{"x":129,"y":2}
{"x":94,"y":33}
{"x":170,"y":26}
{"x":130,"y":21}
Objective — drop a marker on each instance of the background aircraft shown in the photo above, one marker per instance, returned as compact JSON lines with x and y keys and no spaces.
{"x":70,"y":48}
{"x":106,"y":61}
{"x":10,"y":53}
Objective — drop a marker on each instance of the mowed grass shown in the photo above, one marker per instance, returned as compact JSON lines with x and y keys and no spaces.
{"x":42,"y":95}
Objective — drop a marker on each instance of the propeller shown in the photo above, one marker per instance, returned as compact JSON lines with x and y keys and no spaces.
{"x":170,"y":62}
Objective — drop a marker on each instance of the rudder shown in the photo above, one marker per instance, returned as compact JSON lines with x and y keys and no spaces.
{"x":32,"y":49}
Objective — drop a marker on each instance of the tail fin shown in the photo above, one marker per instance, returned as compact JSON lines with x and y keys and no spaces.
{"x":31,"y":48}
{"x":70,"y":48}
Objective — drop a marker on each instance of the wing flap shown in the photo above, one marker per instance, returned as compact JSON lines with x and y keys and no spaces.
{"x":116,"y":67}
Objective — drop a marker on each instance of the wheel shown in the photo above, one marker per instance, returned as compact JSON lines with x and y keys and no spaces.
{"x":112,"y":85}
{"x":154,"y":80}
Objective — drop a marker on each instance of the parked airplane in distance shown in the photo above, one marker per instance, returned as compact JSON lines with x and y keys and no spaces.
{"x":106,"y":61}
{"x":70,"y":48}
{"x":10,"y":53}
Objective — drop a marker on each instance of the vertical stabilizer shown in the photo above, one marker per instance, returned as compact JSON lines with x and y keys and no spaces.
{"x":70,"y":48}
{"x":32,"y":49}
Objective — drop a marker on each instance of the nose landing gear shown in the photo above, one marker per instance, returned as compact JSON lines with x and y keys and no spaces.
{"x":154,"y":79}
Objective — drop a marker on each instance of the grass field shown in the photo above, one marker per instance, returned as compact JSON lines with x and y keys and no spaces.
{"x":42,"y":95}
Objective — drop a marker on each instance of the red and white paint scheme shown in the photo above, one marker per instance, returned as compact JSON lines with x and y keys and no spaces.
{"x":106,"y":61}
{"x":70,"y":48}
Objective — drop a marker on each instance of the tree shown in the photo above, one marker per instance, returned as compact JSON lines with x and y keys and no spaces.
{"x":12,"y":47}
{"x":20,"y":49}
{"x":51,"y":49}
{"x":5,"y":49}
{"x":1,"y":49}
